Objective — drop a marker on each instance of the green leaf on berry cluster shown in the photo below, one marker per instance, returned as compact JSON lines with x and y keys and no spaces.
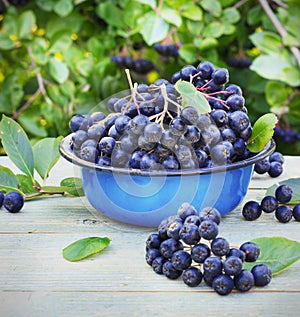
{"x":262,"y":132}
{"x":192,"y":97}
{"x":84,"y":248}
{"x":16,"y":145}
{"x":8,"y":180}
{"x":278,"y":253}
{"x":295,"y":185}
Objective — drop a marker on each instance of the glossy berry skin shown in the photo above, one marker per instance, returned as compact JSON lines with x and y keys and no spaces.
{"x":169,"y":246}
{"x":232,"y":265}
{"x":210,"y":213}
{"x":181,"y":260}
{"x":244,"y":281}
{"x":251,"y":210}
{"x":192,"y":276}
{"x":187,"y":71}
{"x":251,"y":250}
{"x":174,"y":229}
{"x":13,"y":202}
{"x":276,"y":169}
{"x":276,"y":157}
{"x":205,"y":69}
{"x":220,"y":76}
{"x":157,"y":264}
{"x":208,"y":229}
{"x":223,"y":284}
{"x":89,"y":153}
{"x":1,"y":199}
{"x":284,"y":214}
{"x":296,"y":212}
{"x":153,"y":241}
{"x":185,"y":210}
{"x":189,"y":234}
{"x":237,"y":253}
{"x":269,"y":204}
{"x":284,"y":193}
{"x":213,"y":266}
{"x":262,"y":166}
{"x":200,"y":252}
{"x":220,"y":246}
{"x":169,"y":271}
{"x":189,"y":115}
{"x":151,"y":254}
{"x":262,"y":274}
{"x":76,"y":122}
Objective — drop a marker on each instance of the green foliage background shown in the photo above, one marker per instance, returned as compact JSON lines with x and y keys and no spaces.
{"x":55,"y":55}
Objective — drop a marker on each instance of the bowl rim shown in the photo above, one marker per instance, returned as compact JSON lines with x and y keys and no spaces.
{"x":67,"y":153}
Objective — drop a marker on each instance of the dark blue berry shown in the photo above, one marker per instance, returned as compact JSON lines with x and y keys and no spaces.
{"x":262,"y":166}
{"x":169,"y":271}
{"x":153,"y":241}
{"x":262,"y":274}
{"x":213,"y":265}
{"x":232,"y":265}
{"x":185,"y":210}
{"x":177,"y":126}
{"x":276,"y":169}
{"x":170,"y":162}
{"x":192,"y":276}
{"x":284,"y":214}
{"x":151,"y":254}
{"x":76,"y":122}
{"x":223,"y":284}
{"x":150,"y":161}
{"x":169,"y":246}
{"x":296,"y":212}
{"x":78,"y":138}
{"x":193,"y":219}
{"x":202,"y":158}
{"x":269,"y":204}
{"x":189,"y":233}
{"x":208,"y":229}
{"x":220,"y":117}
{"x":220,"y":246}
{"x":200,"y":252}
{"x":233,"y":89}
{"x":174,"y":229}
{"x":157,"y":264}
{"x":238,"y":121}
{"x":251,"y":250}
{"x":189,"y":115}
{"x":181,"y":260}
{"x":220,"y":76}
{"x":244,"y":281}
{"x":283,"y":193}
{"x":251,"y":210}
{"x":187,"y":71}
{"x":1,"y":199}
{"x":235,"y":102}
{"x":13,"y":202}
{"x":238,"y":253}
{"x":103,"y":161}
{"x":89,"y":153}
{"x":205,"y":69}
{"x":107,"y":145}
{"x":276,"y":157}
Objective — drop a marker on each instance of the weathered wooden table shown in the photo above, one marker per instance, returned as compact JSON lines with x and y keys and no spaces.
{"x":35,"y":279}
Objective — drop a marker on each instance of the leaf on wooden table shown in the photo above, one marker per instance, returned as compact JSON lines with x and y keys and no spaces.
{"x":278,"y":253}
{"x":84,"y":248}
{"x":73,"y":186}
{"x":16,"y":145}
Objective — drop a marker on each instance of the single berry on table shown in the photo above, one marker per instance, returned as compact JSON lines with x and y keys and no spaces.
{"x":262,"y":274}
{"x":252,"y":251}
{"x":189,"y":234}
{"x":296,"y":212}
{"x":223,"y":284}
{"x":276,"y":169}
{"x":13,"y":202}
{"x":284,"y":214}
{"x":269,"y":204}
{"x":213,"y":266}
{"x":251,"y":210}
{"x":284,"y":193}
{"x":244,"y":281}
{"x":192,"y":276}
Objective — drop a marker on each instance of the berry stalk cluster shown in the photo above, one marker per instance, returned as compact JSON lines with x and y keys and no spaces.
{"x":12,"y":202}
{"x":252,"y":210}
{"x":188,"y":245}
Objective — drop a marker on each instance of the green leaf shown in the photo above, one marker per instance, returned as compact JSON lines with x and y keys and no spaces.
{"x":8,"y":180}
{"x":63,"y":7}
{"x":171,"y":16}
{"x":58,"y":70}
{"x":16,"y":145}
{"x":192,"y":12}
{"x":26,"y":22}
{"x":232,"y":15}
{"x":153,"y":28}
{"x":192,"y":97}
{"x":26,"y":184}
{"x":60,"y":41}
{"x":206,"y":44}
{"x":214,"y":29}
{"x":262,"y":132}
{"x":294,"y":183}
{"x":278,"y":253}
{"x":84,"y":248}
{"x":45,"y":5}
{"x":110,"y":13}
{"x":46,"y":154}
{"x":5,"y":42}
{"x":151,"y":3}
{"x":212,"y":6}
{"x":74,"y":186}
{"x":188,"y":53}
{"x":276,"y":93}
{"x":266,"y":42}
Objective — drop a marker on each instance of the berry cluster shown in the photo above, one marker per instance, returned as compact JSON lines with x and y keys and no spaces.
{"x":188,"y":245}
{"x":167,"y":50}
{"x":252,"y":210}
{"x":273,"y":165}
{"x":18,"y":2}
{"x":286,"y":135}
{"x":239,"y":63}
{"x":151,"y":130}
{"x":140,"y":66}
{"x":12,"y":202}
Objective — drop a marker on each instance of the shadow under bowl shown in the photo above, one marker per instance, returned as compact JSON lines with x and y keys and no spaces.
{"x":145,"y":198}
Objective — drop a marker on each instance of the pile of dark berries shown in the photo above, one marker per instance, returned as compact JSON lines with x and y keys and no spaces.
{"x":287,"y":135}
{"x":188,"y":245}
{"x":167,"y":50}
{"x":12,"y":202}
{"x":273,"y":165}
{"x":252,"y":210}
{"x":149,"y":129}
{"x":140,"y":66}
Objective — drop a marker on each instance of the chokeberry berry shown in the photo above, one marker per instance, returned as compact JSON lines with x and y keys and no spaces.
{"x":262,"y":274}
{"x":232,"y":265}
{"x":284,"y":214}
{"x":157,"y":264}
{"x":223,"y":284}
{"x":244,"y":281}
{"x":153,"y":241}
{"x":181,"y":260}
{"x":200,"y":252}
{"x":185,"y":210}
{"x":169,"y":246}
{"x":192,"y":276}
{"x":276,"y":169}
{"x":210,"y":213}
{"x":284,"y":193}
{"x":252,"y":251}
{"x":13,"y":202}
{"x":151,"y":254}
{"x":208,"y":229}
{"x":189,"y":233}
{"x":220,"y":246}
{"x":251,"y":210}
{"x":169,"y":271}
{"x":269,"y":204}
{"x":1,"y":199}
{"x":213,"y":265}
{"x":296,"y":212}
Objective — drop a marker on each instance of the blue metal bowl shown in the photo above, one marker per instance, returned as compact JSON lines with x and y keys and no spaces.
{"x":145,"y":198}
